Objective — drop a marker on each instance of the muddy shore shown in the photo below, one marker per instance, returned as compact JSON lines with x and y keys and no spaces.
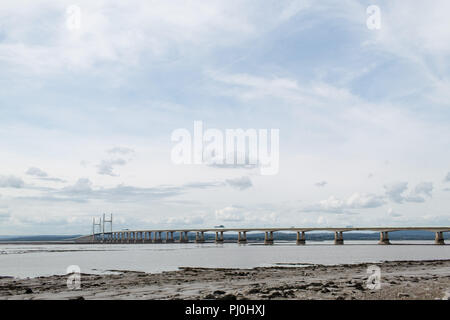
{"x":399,"y":280}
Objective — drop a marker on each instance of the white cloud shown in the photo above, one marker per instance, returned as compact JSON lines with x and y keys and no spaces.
{"x":393,"y":214}
{"x":447,"y":177}
{"x":183,"y":221}
{"x":42,"y":175}
{"x":33,"y":171}
{"x":120,"y":150}
{"x":415,"y":27}
{"x":244,"y":216}
{"x":11,"y":182}
{"x":359,"y":201}
{"x":396,"y":192}
{"x":417,"y":33}
{"x":82,"y":186}
{"x":423,"y":189}
{"x":250,"y":87}
{"x":321,"y":184}
{"x":230,"y":214}
{"x":332,"y":204}
{"x":355,"y":201}
{"x":241,"y":183}
{"x":106,"y":167}
{"x":119,"y":33}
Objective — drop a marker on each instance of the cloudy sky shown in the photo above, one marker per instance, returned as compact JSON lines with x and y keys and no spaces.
{"x":86,"y":114}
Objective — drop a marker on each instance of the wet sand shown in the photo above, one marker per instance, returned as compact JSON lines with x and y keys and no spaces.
{"x":399,"y":280}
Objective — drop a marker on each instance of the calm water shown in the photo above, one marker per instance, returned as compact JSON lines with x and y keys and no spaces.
{"x":38,"y":260}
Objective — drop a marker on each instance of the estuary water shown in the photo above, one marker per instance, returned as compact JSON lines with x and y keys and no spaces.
{"x":32,"y":260}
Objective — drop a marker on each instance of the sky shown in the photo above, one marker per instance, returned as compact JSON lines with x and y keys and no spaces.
{"x":92,"y":91}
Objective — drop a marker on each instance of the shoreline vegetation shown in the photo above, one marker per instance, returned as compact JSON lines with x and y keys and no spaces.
{"x":428,"y":279}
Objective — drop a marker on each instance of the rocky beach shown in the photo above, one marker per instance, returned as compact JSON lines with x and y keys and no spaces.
{"x":399,"y":280}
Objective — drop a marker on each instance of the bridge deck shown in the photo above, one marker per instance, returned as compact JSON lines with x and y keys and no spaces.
{"x":294,"y":229}
{"x":145,"y":235}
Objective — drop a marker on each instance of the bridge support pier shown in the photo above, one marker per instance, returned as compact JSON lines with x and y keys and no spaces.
{"x":219,"y":237}
{"x":199,"y":237}
{"x":145,"y":237}
{"x":268,"y":237}
{"x":338,"y":237}
{"x":158,"y":237}
{"x":184,"y":237}
{"x":242,"y":237}
{"x":169,"y":239}
{"x":301,"y":238}
{"x":384,"y":238}
{"x":439,"y":239}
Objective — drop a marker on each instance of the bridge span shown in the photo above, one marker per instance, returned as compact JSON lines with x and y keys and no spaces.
{"x":167,"y":235}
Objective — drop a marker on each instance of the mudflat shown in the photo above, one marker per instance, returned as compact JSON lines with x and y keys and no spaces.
{"x":398,"y":280}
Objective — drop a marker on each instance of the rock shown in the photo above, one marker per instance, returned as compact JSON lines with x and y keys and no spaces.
{"x":314,"y":288}
{"x":253,"y":291}
{"x":315,"y":284}
{"x":219,"y":292}
{"x":28,"y":291}
{"x":227,"y":297}
{"x":275,"y":294}
{"x":209,"y":297}
{"x":359,"y":286}
{"x":77,"y":298}
{"x":288,"y":293}
{"x":402,"y":295}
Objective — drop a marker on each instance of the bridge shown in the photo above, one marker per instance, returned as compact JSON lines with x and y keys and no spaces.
{"x":167,"y":235}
